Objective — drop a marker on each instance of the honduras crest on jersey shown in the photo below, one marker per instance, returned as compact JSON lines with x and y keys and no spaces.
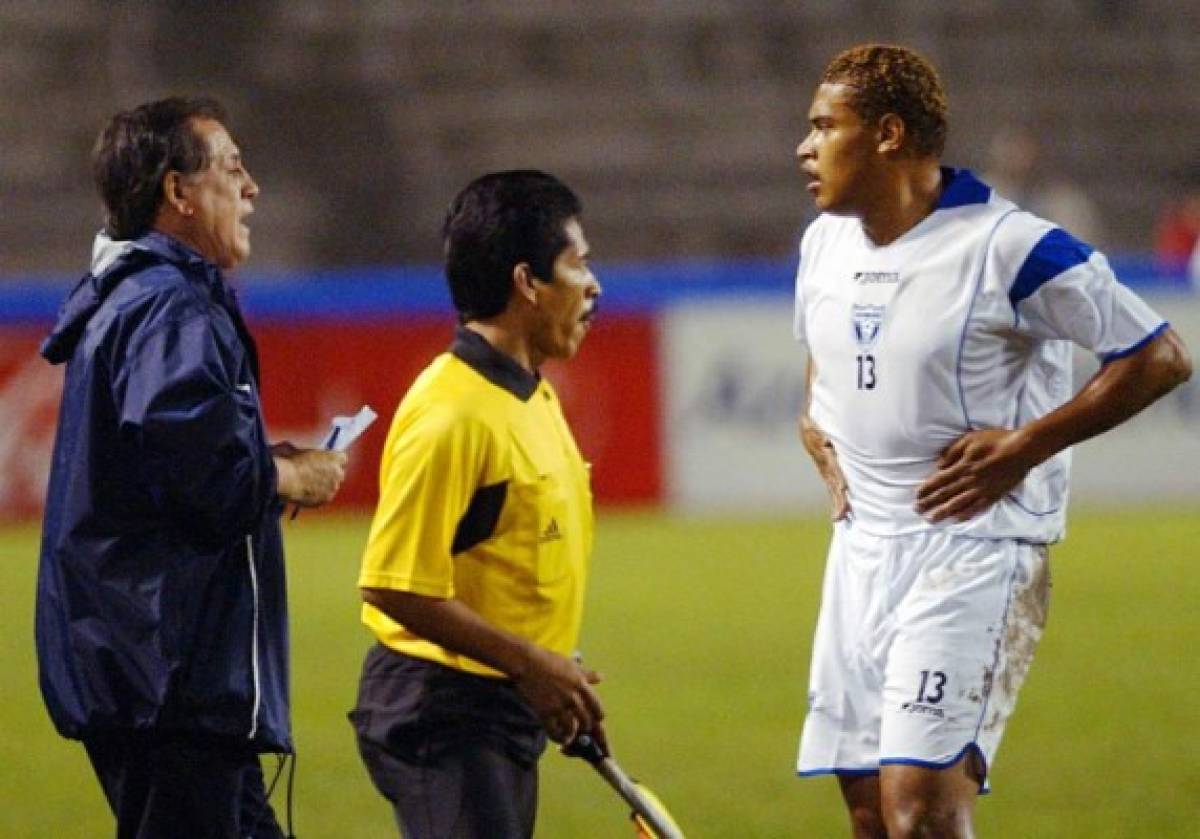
{"x":867,"y":320}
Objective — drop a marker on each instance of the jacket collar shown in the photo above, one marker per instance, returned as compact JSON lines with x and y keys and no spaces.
{"x":112,"y":262}
{"x":501,"y":370}
{"x":171,"y":250}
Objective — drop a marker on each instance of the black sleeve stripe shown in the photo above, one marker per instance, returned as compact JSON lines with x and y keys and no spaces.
{"x":479,"y":521}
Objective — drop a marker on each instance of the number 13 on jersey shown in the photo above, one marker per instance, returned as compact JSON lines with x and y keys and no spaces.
{"x":866,"y":371}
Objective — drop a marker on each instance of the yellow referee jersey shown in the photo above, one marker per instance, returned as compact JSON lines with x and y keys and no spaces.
{"x":483,"y":497}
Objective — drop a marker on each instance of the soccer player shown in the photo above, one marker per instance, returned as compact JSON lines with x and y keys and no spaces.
{"x":473,"y":575}
{"x":939,"y":320}
{"x":161,"y":613}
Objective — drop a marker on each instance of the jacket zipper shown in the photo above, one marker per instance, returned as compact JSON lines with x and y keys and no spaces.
{"x":253,"y":638}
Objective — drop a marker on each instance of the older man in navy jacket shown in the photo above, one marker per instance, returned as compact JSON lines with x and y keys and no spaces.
{"x":161,"y":612}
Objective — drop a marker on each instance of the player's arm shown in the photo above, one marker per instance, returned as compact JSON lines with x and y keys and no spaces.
{"x":820,"y":449}
{"x":979,"y":468}
{"x":558,"y":688}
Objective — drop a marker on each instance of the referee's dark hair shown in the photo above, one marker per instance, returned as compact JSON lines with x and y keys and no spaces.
{"x":137,"y":149}
{"x":499,"y":221}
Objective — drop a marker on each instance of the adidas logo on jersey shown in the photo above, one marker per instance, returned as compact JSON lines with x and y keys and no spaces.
{"x":551,"y":533}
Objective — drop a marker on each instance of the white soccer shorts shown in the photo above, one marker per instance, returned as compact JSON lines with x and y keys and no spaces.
{"x":922,"y":644}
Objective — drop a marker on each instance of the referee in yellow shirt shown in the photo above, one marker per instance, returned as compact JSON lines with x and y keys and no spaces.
{"x":473,"y":576}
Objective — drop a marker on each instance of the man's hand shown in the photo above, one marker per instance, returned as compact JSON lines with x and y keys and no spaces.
{"x":308,"y":477}
{"x":559,"y":689}
{"x":973,"y":473}
{"x":821,"y":451}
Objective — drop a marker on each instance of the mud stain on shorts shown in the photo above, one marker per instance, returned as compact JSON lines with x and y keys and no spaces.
{"x":1027,"y":616}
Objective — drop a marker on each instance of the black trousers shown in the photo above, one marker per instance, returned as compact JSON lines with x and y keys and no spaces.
{"x":165,"y":787}
{"x":456,"y":754}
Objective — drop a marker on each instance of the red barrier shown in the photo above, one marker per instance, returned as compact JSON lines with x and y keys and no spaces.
{"x":29,"y":394}
{"x":612,"y":397}
{"x":314,"y":370}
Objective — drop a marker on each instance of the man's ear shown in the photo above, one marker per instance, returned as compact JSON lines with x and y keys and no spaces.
{"x":524,"y":284}
{"x":173,"y":194}
{"x":892,"y":133}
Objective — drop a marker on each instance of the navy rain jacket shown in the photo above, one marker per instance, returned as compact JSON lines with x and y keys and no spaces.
{"x":161,"y":602}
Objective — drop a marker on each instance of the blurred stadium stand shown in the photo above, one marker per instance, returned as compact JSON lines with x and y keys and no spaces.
{"x":675,"y":119}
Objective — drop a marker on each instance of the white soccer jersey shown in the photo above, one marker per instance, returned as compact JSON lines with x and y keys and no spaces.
{"x":964,"y":322}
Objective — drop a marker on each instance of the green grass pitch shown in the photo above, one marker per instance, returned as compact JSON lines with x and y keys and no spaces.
{"x":701,"y":628}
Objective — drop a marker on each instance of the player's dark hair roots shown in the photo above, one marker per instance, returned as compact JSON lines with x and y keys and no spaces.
{"x":890,"y":79}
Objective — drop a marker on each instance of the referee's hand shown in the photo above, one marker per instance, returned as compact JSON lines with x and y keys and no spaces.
{"x":560,"y":691}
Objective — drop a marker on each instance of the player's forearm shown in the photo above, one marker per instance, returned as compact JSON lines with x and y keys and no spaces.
{"x":1118,"y":391}
{"x":811,"y":437}
{"x":452,"y":624}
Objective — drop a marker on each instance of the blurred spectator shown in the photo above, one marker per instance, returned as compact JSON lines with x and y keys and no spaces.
{"x":1017,"y":170}
{"x":1177,"y":232}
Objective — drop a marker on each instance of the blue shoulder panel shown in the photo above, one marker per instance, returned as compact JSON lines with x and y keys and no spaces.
{"x":962,"y":188}
{"x":1054,"y":253}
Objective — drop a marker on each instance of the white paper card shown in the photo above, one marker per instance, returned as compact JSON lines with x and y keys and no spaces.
{"x":345,"y":430}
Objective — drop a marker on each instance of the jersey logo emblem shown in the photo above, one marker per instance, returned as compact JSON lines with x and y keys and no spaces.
{"x":876,"y":277}
{"x":921,"y":708}
{"x":551,"y":533}
{"x":866,"y":320}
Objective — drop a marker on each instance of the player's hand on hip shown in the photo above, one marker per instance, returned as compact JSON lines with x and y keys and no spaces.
{"x":973,"y":473}
{"x":821,"y":450}
{"x":559,"y":689}
{"x":308,"y":477}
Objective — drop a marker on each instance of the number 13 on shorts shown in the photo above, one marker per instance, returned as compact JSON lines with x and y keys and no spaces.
{"x":926,"y":699}
{"x":935,"y":681}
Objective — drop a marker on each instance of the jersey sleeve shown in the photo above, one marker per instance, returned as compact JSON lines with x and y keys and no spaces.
{"x":1062,"y":288}
{"x":433,"y":462}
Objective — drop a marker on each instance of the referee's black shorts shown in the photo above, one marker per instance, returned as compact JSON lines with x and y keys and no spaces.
{"x":455,"y":753}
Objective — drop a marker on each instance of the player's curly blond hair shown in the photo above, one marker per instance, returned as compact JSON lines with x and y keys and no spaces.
{"x":895,"y":80}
